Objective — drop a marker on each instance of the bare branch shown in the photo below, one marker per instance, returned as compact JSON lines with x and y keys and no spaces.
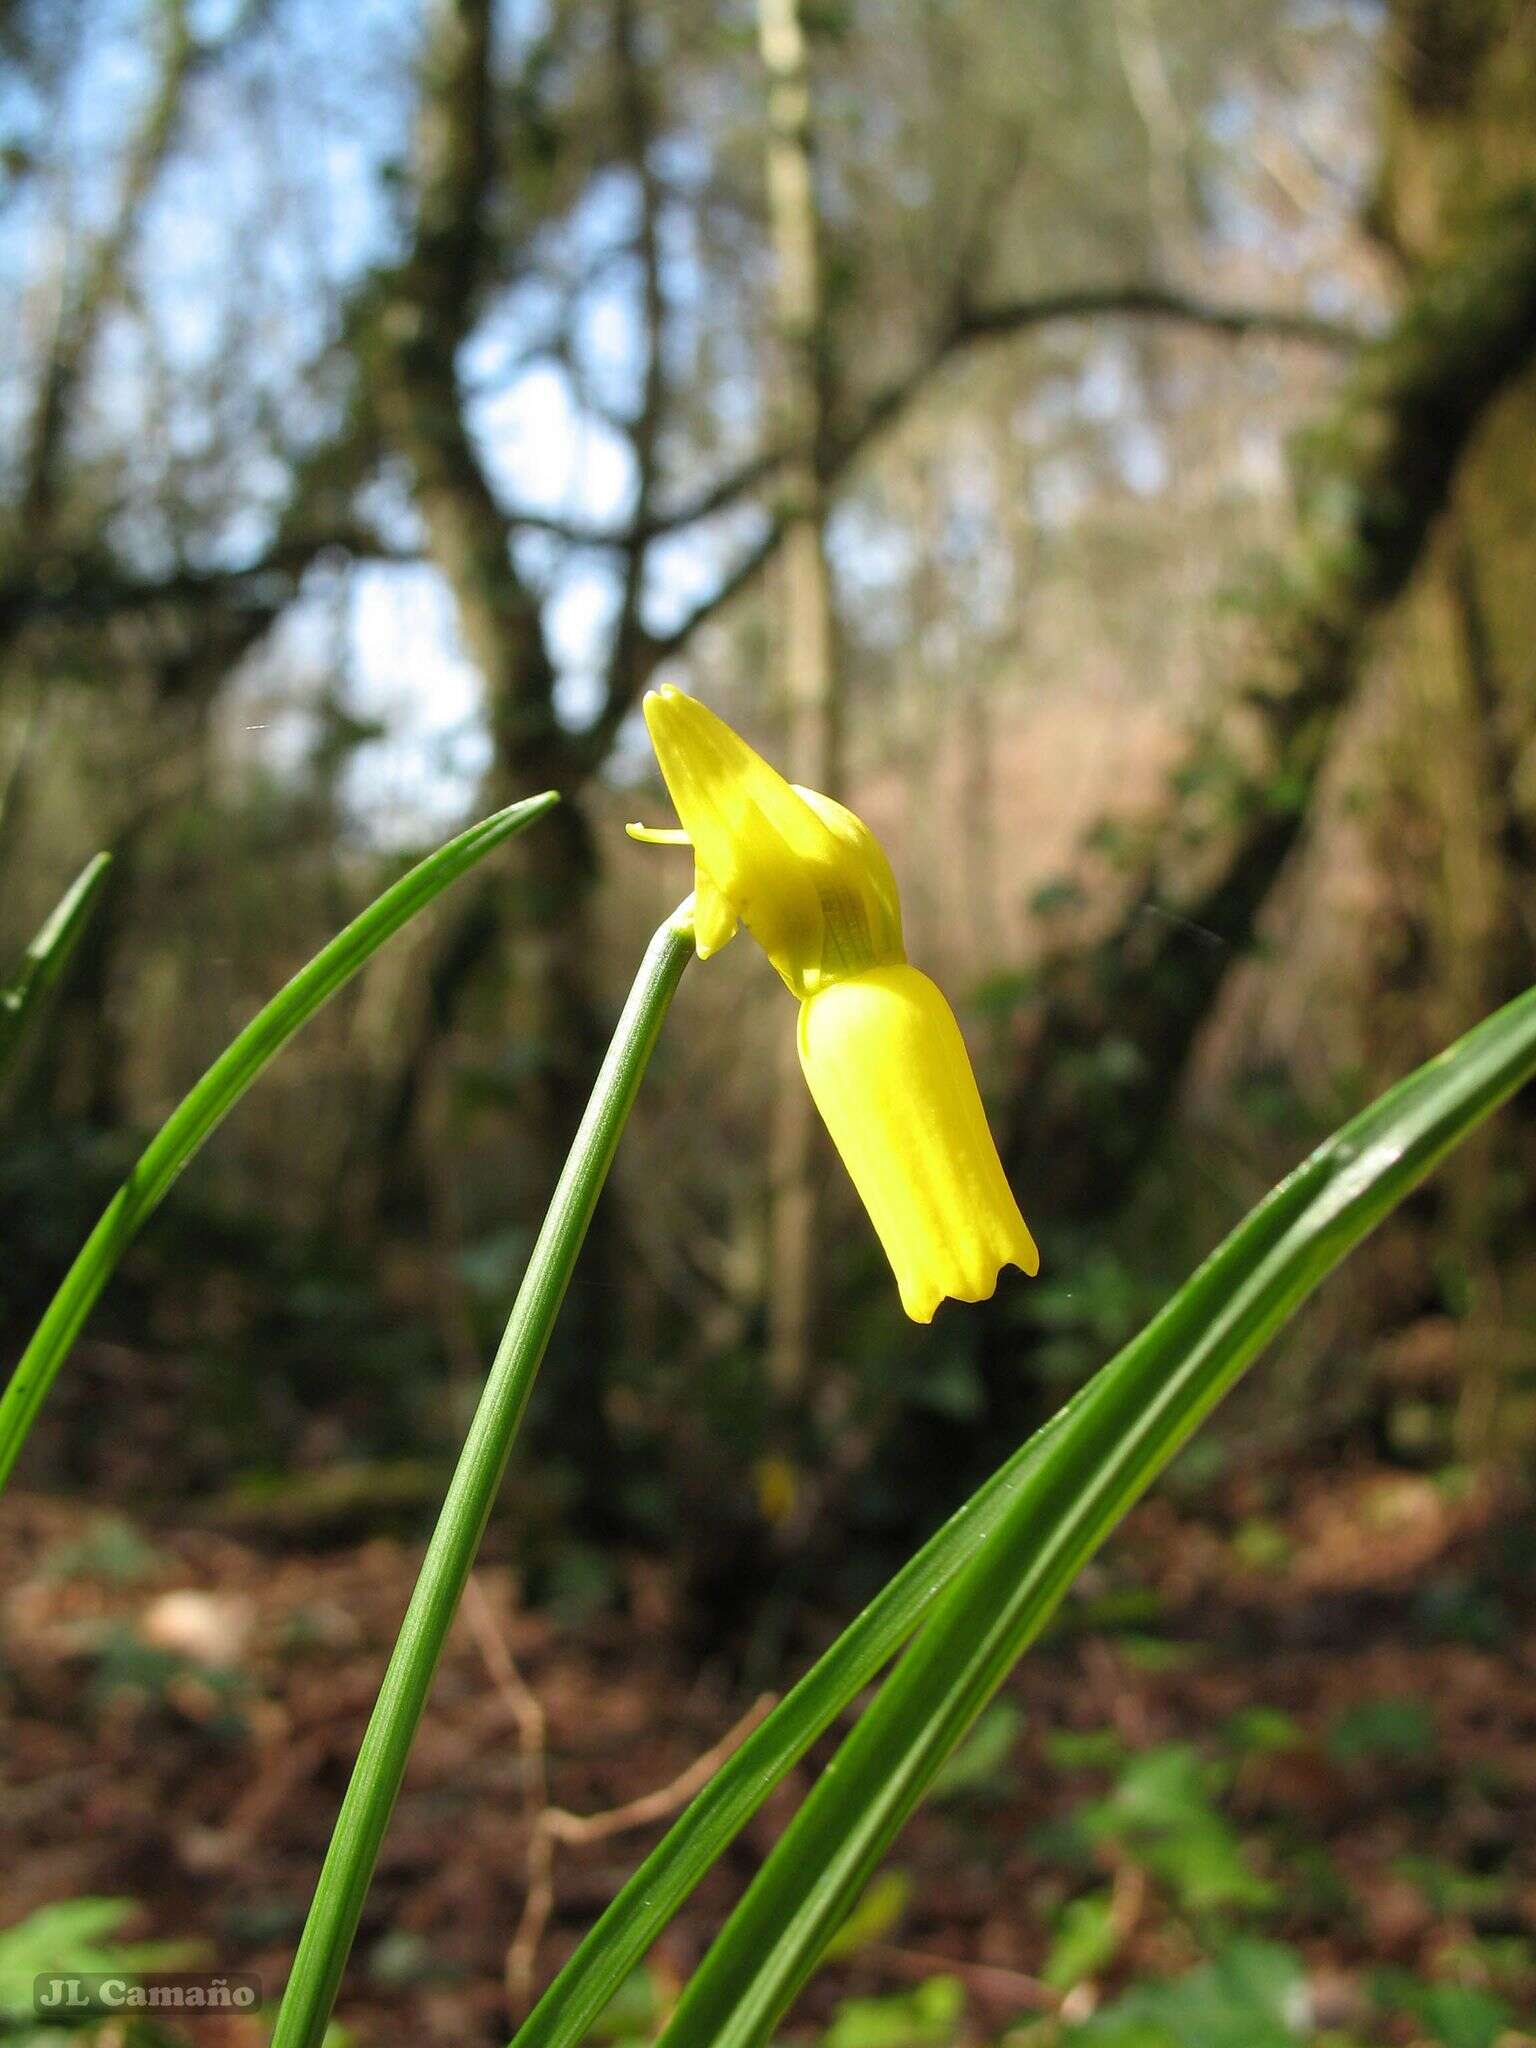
{"x":972,"y":325}
{"x":100,"y":590}
{"x":101,"y":275}
{"x":1155,"y":302}
{"x":890,"y":404}
{"x":653,"y":650}
{"x":74,"y":587}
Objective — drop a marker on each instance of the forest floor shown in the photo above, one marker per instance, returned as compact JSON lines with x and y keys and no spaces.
{"x":1313,"y":1730}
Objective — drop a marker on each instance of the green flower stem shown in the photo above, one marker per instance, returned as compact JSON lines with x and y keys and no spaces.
{"x":200,"y":1112}
{"x":365,"y":1811}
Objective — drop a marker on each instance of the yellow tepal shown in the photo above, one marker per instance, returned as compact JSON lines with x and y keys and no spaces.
{"x":879,"y":1045}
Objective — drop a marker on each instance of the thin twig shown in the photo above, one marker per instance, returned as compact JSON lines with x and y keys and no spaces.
{"x":551,"y":1824}
{"x":522,"y":1702}
{"x":574,"y":1829}
{"x":991,"y":1981}
{"x":654,"y":1806}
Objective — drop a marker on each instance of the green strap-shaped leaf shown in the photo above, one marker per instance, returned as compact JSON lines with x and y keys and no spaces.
{"x":618,"y":1941}
{"x":47,"y":956}
{"x":1105,"y":1451}
{"x":649,"y":1899}
{"x":205,"y":1107}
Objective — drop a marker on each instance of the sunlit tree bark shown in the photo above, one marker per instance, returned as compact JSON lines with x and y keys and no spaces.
{"x":1114,"y":1027}
{"x":806,"y":629}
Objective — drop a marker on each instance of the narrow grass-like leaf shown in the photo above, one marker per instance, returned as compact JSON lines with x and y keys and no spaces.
{"x":311,"y":1991}
{"x":649,"y":1899}
{"x":205,"y":1107}
{"x":1117,"y":1437}
{"x":47,"y":956}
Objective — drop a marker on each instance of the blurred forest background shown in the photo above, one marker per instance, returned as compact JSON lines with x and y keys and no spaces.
{"x":1095,"y":441}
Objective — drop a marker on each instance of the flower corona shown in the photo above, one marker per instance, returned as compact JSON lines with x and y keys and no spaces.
{"x":879,"y":1045}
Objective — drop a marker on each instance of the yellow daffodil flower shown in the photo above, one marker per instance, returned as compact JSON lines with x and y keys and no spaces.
{"x":879,"y":1045}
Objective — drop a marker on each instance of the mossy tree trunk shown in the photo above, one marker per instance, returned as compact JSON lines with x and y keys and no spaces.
{"x":1113,"y":1029}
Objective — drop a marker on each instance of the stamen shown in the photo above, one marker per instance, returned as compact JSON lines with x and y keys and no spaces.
{"x":659,"y":835}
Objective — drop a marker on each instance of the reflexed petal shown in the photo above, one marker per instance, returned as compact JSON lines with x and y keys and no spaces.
{"x":802,"y":878}
{"x":714,"y":916}
{"x":867,"y":852}
{"x":889,"y":1071}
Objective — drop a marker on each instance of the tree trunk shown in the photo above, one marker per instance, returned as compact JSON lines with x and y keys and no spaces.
{"x":410,"y":351}
{"x":807,"y":627}
{"x":1114,"y":1029}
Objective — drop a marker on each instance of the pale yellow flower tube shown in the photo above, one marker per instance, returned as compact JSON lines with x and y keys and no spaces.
{"x":887,"y":1066}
